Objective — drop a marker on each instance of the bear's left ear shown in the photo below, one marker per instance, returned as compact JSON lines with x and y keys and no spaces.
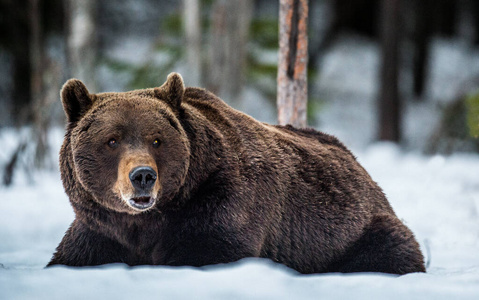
{"x":172,"y":91}
{"x":76,"y":99}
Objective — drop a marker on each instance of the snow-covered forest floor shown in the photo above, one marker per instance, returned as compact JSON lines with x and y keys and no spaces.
{"x":436,"y":196}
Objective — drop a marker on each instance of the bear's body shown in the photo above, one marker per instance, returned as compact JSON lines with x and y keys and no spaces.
{"x":169,"y":176}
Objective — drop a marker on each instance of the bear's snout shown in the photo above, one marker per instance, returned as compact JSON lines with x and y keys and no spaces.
{"x":143,"y":179}
{"x":138,"y":181}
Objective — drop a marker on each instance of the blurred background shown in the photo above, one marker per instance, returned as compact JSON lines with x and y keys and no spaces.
{"x":419,"y":58}
{"x":402,"y":71}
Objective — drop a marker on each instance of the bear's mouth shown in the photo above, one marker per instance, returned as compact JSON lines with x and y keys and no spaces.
{"x":142,"y":203}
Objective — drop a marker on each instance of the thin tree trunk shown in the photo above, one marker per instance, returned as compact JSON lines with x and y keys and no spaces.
{"x":422,"y":37}
{"x":389,"y":102}
{"x":475,"y":15}
{"x":447,"y":16}
{"x":192,"y":27}
{"x":230,"y":26}
{"x":293,"y":61}
{"x":81,"y":41}
{"x":22,"y":63}
{"x":15,"y":34}
{"x":45,"y":84}
{"x":36,"y":49}
{"x":37,"y":56}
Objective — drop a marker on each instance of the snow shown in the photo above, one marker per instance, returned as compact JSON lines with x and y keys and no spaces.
{"x":437,"y":197}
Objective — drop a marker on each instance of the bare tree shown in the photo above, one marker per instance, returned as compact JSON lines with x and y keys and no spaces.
{"x":37,"y":58}
{"x":81,"y":40}
{"x":15,"y":37}
{"x":192,"y":27}
{"x":389,"y":101}
{"x":231,"y":20}
{"x":293,"y":62}
{"x":44,"y":78}
{"x":422,"y":36}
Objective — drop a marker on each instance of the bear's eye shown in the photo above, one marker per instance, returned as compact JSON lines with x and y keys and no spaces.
{"x":156,"y":143}
{"x":112,"y":143}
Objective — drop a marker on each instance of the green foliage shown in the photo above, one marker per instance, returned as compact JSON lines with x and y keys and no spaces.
{"x":459,"y":127}
{"x":472,"y":111}
{"x":169,"y":47}
{"x":172,"y":25}
{"x":261,"y":72}
{"x":142,"y":76}
{"x":264,"y":32}
{"x":314,"y":106}
{"x":261,"y":65}
{"x":454,"y":120}
{"x":207,"y":4}
{"x":262,"y":76}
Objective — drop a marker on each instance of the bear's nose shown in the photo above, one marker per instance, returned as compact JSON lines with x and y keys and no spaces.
{"x":143,"y":178}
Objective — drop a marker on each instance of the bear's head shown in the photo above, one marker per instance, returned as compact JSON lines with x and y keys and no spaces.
{"x":125,"y":151}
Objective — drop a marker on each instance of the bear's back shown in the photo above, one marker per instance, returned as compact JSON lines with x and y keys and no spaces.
{"x":288,"y":151}
{"x":249,"y":129}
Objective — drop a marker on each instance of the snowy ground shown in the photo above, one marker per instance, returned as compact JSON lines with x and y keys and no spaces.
{"x":437,"y":197}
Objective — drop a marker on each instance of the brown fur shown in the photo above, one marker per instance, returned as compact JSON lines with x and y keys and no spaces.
{"x":228,"y":187}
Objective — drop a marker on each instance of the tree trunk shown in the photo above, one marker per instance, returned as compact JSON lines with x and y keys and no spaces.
{"x":446,"y":16}
{"x":81,"y":41}
{"x":357,"y":15}
{"x":15,"y":37}
{"x":37,"y":58}
{"x":44,"y":76}
{"x":475,"y":16}
{"x":422,"y":37}
{"x":293,"y":62}
{"x":192,"y":27}
{"x":230,"y":26}
{"x":389,"y":102}
{"x":45,"y":79}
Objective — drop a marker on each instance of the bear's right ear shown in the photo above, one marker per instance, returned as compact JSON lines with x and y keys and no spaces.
{"x":172,"y":91}
{"x":75,"y":99}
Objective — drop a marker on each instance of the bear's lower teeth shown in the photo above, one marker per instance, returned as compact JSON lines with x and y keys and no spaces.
{"x":142,"y":200}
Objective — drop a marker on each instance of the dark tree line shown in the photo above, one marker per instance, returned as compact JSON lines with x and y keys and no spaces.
{"x":24,"y":25}
{"x":27,"y":28}
{"x":389,"y":98}
{"x":394,"y":22}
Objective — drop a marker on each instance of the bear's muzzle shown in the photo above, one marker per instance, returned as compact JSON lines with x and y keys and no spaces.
{"x":143,"y":179}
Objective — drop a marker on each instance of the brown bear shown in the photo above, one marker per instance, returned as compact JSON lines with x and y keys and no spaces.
{"x":175,"y":176}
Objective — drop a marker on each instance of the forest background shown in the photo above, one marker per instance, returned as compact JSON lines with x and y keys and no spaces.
{"x":399,"y":70}
{"x":396,"y":80}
